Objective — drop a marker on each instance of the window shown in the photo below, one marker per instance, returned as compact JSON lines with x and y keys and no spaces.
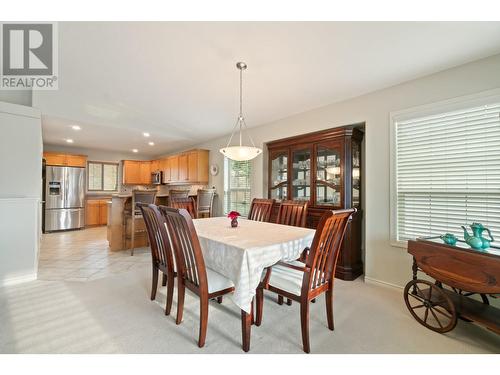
{"x":102,"y":176}
{"x":237,"y":186}
{"x":446,"y":169}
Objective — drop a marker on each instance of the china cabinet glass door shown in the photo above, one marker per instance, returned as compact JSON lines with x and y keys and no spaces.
{"x":328,"y":174}
{"x":356,"y":174}
{"x":301,"y":174}
{"x":279,"y":175}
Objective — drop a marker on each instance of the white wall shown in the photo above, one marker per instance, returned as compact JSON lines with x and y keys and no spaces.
{"x":20,"y":191}
{"x":383,"y":262}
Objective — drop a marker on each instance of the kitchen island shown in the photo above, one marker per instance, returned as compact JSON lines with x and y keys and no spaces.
{"x":116,"y":206}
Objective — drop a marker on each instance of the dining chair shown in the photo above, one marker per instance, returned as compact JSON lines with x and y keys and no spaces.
{"x":186,"y":203}
{"x":176,"y":194}
{"x":191,"y":270}
{"x":132,"y":214}
{"x":260,"y":209}
{"x":161,"y":252}
{"x":205,"y":202}
{"x":304,"y":282}
{"x":292,"y":213}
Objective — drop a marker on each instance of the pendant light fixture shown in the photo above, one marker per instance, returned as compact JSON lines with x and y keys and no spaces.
{"x":240,"y":153}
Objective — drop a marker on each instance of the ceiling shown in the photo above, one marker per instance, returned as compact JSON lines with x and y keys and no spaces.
{"x":178,"y":80}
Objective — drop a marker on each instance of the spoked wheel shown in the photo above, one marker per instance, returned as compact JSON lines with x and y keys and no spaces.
{"x":430,"y":306}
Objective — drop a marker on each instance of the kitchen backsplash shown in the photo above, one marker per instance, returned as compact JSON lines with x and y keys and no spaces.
{"x":162,"y":189}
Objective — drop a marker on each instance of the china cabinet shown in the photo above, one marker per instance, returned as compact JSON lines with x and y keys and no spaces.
{"x":323,"y":168}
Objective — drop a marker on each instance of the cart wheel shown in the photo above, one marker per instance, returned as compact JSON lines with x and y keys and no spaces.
{"x":430,"y":306}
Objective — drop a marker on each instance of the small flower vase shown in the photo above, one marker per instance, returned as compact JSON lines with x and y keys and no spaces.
{"x":234,"y":222}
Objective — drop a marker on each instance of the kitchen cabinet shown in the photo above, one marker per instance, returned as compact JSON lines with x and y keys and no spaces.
{"x":323,"y":168}
{"x":155,"y":165}
{"x":183,"y":168}
{"x":96,"y":212}
{"x":174,"y":168}
{"x":136,"y":172}
{"x":65,"y":160}
{"x":165,"y":168}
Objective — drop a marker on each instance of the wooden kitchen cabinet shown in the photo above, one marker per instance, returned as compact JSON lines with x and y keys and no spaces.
{"x":136,"y":172}
{"x":174,"y":168}
{"x":165,"y":168}
{"x":155,"y":165}
{"x":145,"y":172}
{"x":183,"y":168}
{"x":96,"y":212}
{"x":65,"y":160}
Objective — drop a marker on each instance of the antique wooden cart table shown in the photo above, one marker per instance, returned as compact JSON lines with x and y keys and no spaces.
{"x":464,"y":281}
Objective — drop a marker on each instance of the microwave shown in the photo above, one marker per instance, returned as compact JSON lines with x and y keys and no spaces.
{"x":157,"y":178}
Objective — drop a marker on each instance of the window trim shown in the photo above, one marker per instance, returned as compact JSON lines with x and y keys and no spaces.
{"x":227,"y":162}
{"x":481,"y":98}
{"x":102,"y":176}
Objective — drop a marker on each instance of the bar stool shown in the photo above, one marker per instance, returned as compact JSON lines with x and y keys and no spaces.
{"x":134,"y":213}
{"x":176,"y":194}
{"x":205,"y":202}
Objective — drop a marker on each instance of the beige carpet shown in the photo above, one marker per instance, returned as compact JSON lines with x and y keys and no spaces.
{"x":115,"y":315}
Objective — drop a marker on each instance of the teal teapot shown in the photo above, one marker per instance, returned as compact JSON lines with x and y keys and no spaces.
{"x":476,"y":240}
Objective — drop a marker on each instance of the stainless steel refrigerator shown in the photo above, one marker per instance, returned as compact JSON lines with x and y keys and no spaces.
{"x":64,"y":196}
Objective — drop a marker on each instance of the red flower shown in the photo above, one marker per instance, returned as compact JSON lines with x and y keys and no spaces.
{"x":233,"y":214}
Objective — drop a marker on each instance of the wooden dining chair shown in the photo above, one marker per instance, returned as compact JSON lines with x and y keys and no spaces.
{"x":292,"y":213}
{"x":186,"y":203}
{"x":261,"y":209}
{"x":191,"y":270}
{"x":304,"y":282}
{"x":205,"y":202}
{"x":161,"y":252}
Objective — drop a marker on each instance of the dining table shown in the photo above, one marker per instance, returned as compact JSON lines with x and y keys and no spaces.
{"x":242,"y":253}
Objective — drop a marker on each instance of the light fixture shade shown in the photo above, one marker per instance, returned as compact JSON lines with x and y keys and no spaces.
{"x":241,"y":153}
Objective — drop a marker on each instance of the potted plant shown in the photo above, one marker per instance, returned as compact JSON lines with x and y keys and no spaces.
{"x":233,"y":215}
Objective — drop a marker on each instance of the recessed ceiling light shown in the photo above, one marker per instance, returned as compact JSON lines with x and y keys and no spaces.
{"x":135,"y":150}
{"x":151,"y":143}
{"x":69,"y":140}
{"x":75,"y":127}
{"x":146,"y":134}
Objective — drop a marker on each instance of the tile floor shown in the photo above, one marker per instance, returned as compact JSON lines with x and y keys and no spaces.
{"x":83,"y":255}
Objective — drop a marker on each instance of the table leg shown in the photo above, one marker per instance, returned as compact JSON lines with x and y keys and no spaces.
{"x":246,"y":325}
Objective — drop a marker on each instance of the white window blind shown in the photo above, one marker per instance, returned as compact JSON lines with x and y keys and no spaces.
{"x":237,"y":186}
{"x":448,"y":172}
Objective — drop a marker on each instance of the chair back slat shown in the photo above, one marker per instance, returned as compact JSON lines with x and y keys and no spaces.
{"x":185,"y":203}
{"x":292,"y":213}
{"x":161,"y":251}
{"x":186,"y":245}
{"x":325,"y":249}
{"x":260,"y":209}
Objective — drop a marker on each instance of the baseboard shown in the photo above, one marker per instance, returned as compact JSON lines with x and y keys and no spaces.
{"x":19,"y":279}
{"x":370,"y":280}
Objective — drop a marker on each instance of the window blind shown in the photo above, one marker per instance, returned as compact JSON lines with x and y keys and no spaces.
{"x":448,"y":172}
{"x":237,"y":186}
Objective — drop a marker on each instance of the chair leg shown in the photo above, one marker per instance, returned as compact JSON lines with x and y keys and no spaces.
{"x":181,"y":290}
{"x":170,"y":293}
{"x":154,"y":284}
{"x":329,"y":308}
{"x":164,"y":280}
{"x":280,"y":300}
{"x":132,"y":235}
{"x":260,"y":306}
{"x":219,"y":300}
{"x":304,"y":320}
{"x":203,"y":321}
{"x":289,"y":302}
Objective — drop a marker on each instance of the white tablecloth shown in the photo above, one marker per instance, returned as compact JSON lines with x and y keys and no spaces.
{"x":242,"y":253}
